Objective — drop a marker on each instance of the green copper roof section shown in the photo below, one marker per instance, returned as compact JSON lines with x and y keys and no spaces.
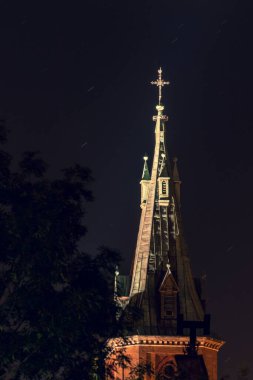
{"x":145,"y":173}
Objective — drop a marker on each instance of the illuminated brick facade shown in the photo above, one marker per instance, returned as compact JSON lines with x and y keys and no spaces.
{"x":161,"y":351}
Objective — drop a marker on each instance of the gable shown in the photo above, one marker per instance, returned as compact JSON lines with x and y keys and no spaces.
{"x":168,"y":284}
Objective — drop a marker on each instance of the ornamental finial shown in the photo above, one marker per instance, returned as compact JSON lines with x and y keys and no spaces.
{"x":160,"y":83}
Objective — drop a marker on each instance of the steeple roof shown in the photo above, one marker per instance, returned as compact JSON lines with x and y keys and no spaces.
{"x":160,"y":242}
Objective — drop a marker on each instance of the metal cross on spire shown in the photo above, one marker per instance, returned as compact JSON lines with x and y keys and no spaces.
{"x":160,"y":83}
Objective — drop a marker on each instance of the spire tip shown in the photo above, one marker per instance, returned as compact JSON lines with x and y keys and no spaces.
{"x":160,"y":83}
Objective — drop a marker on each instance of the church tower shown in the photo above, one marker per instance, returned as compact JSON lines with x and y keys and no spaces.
{"x":171,"y":335}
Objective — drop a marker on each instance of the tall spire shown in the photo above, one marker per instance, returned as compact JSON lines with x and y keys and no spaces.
{"x":160,"y":239}
{"x":143,"y":259}
{"x":160,"y":83}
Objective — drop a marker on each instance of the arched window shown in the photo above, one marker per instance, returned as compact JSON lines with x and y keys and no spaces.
{"x":168,"y":373}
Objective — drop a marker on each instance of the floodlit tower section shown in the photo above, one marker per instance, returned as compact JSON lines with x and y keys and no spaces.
{"x":142,"y":253}
{"x":172,"y":329}
{"x":160,"y":241}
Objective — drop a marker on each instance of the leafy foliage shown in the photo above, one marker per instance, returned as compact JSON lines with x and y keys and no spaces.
{"x":56,"y":302}
{"x":138,"y":372}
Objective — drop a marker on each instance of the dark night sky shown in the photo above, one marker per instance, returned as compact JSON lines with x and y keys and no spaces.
{"x":74,"y":84}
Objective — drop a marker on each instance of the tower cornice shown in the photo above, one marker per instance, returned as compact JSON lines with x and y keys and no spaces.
{"x":164,"y":340}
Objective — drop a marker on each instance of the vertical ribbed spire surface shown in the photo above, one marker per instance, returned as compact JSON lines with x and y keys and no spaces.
{"x":160,"y":255}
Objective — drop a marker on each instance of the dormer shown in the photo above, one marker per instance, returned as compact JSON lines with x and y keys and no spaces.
{"x":168,"y":293}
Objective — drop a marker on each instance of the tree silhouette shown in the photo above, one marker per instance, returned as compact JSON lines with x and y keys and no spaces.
{"x":56,"y":302}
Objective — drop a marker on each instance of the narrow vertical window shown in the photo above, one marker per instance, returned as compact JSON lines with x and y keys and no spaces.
{"x":169,"y":306}
{"x":164,"y":188}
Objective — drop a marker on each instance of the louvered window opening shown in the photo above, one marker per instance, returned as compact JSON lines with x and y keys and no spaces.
{"x":169,"y":306}
{"x":164,"y":188}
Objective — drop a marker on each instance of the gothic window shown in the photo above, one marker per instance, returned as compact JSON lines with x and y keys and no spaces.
{"x":168,"y":373}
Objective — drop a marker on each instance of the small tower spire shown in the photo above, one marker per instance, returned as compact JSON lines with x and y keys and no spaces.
{"x":145,"y":180}
{"x":145,"y":173}
{"x":160,"y":83}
